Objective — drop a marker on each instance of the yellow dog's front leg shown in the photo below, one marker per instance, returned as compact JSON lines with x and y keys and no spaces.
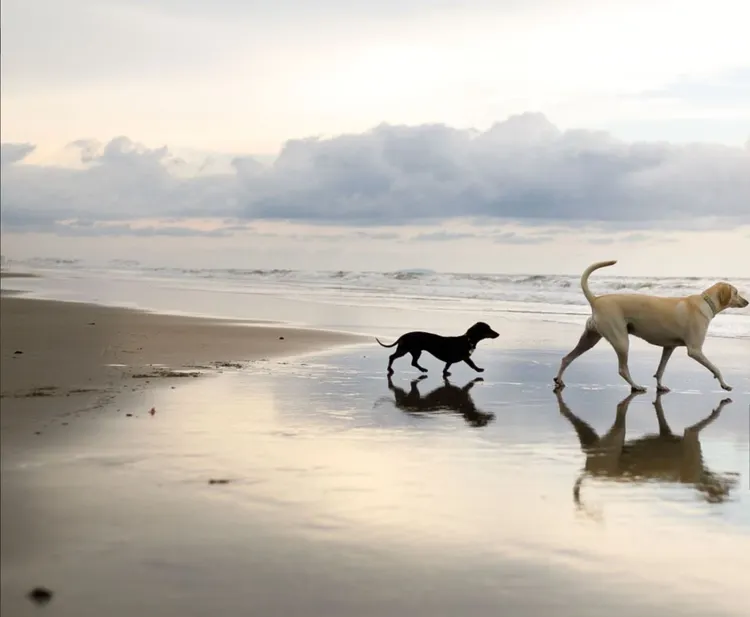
{"x":697,"y":354}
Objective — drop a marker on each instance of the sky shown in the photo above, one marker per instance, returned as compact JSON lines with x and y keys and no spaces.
{"x":485,"y":136}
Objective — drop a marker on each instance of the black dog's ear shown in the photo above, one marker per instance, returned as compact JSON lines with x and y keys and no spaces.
{"x":481,"y":328}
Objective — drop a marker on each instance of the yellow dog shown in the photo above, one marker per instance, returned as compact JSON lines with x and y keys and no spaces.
{"x":668,"y":322}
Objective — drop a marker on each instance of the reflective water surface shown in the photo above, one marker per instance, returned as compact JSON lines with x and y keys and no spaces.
{"x":341,"y":492}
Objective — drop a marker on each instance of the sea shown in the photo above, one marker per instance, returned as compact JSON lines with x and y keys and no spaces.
{"x":306,"y":297}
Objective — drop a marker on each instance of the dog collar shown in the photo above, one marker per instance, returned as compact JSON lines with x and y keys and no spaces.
{"x":711,"y":304}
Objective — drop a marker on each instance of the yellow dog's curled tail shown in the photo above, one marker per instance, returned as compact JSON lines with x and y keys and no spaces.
{"x":585,"y":278}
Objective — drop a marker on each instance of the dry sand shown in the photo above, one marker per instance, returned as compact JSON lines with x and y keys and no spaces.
{"x":51,"y":349}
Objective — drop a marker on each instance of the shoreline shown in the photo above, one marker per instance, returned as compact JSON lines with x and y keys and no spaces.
{"x":224,"y":320}
{"x":5,"y":274}
{"x":53,"y":351}
{"x":335,"y":309}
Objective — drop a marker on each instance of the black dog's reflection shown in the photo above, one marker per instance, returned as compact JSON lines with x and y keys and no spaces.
{"x":445,"y":398}
{"x":664,"y":456}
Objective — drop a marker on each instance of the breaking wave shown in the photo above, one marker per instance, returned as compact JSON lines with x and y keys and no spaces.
{"x":533,"y":293}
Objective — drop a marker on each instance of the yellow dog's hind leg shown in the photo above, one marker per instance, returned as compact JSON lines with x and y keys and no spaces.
{"x":589,"y":338}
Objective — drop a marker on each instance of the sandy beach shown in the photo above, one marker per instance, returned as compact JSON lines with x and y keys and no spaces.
{"x":52,"y":349}
{"x":291,"y":477}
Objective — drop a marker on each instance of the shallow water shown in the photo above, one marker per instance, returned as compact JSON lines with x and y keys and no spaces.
{"x":359,"y":302}
{"x":340,"y":502}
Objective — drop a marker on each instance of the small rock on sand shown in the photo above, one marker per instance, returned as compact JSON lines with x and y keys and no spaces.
{"x":40,"y":595}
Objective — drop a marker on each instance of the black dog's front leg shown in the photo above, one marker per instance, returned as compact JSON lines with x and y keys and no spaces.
{"x":445,"y":370}
{"x":470,"y":362}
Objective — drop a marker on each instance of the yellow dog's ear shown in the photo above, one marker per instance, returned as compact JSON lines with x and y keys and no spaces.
{"x":725,"y":294}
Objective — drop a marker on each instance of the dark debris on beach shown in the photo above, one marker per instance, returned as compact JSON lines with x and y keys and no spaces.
{"x":40,"y":595}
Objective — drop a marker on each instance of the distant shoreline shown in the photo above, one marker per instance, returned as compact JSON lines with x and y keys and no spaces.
{"x":6,"y":274}
{"x":357,"y":302}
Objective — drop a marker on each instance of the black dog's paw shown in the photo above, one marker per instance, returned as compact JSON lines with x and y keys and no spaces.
{"x":480,"y":370}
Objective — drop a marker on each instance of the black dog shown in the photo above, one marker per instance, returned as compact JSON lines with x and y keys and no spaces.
{"x":449,"y":349}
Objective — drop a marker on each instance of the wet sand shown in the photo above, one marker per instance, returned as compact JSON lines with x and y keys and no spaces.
{"x":314,"y":486}
{"x":62,"y":349}
{"x":4,"y":274}
{"x":16,"y":275}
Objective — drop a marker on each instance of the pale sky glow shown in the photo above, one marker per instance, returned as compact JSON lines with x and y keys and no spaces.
{"x":246,"y":79}
{"x":627,"y":84}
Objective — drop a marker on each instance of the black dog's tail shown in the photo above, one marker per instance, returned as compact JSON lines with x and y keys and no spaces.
{"x":577,"y":490}
{"x":384,"y":345}
{"x":597,"y":516}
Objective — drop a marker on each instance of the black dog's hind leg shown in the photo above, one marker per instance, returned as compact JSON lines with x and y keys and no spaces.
{"x":400,"y":351}
{"x":445,"y":370}
{"x":470,"y":385}
{"x":470,"y":362}
{"x":415,"y":360}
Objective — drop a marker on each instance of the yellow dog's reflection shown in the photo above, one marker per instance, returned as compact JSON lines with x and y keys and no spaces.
{"x":664,"y":456}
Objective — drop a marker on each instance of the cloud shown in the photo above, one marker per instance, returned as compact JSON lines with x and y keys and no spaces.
{"x":634,"y":238}
{"x":523,"y":170}
{"x":442,"y":236}
{"x":377,"y":235}
{"x":80,"y":228}
{"x":87,"y":228}
{"x":89,"y":149}
{"x":511,"y":237}
{"x":14,"y":153}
